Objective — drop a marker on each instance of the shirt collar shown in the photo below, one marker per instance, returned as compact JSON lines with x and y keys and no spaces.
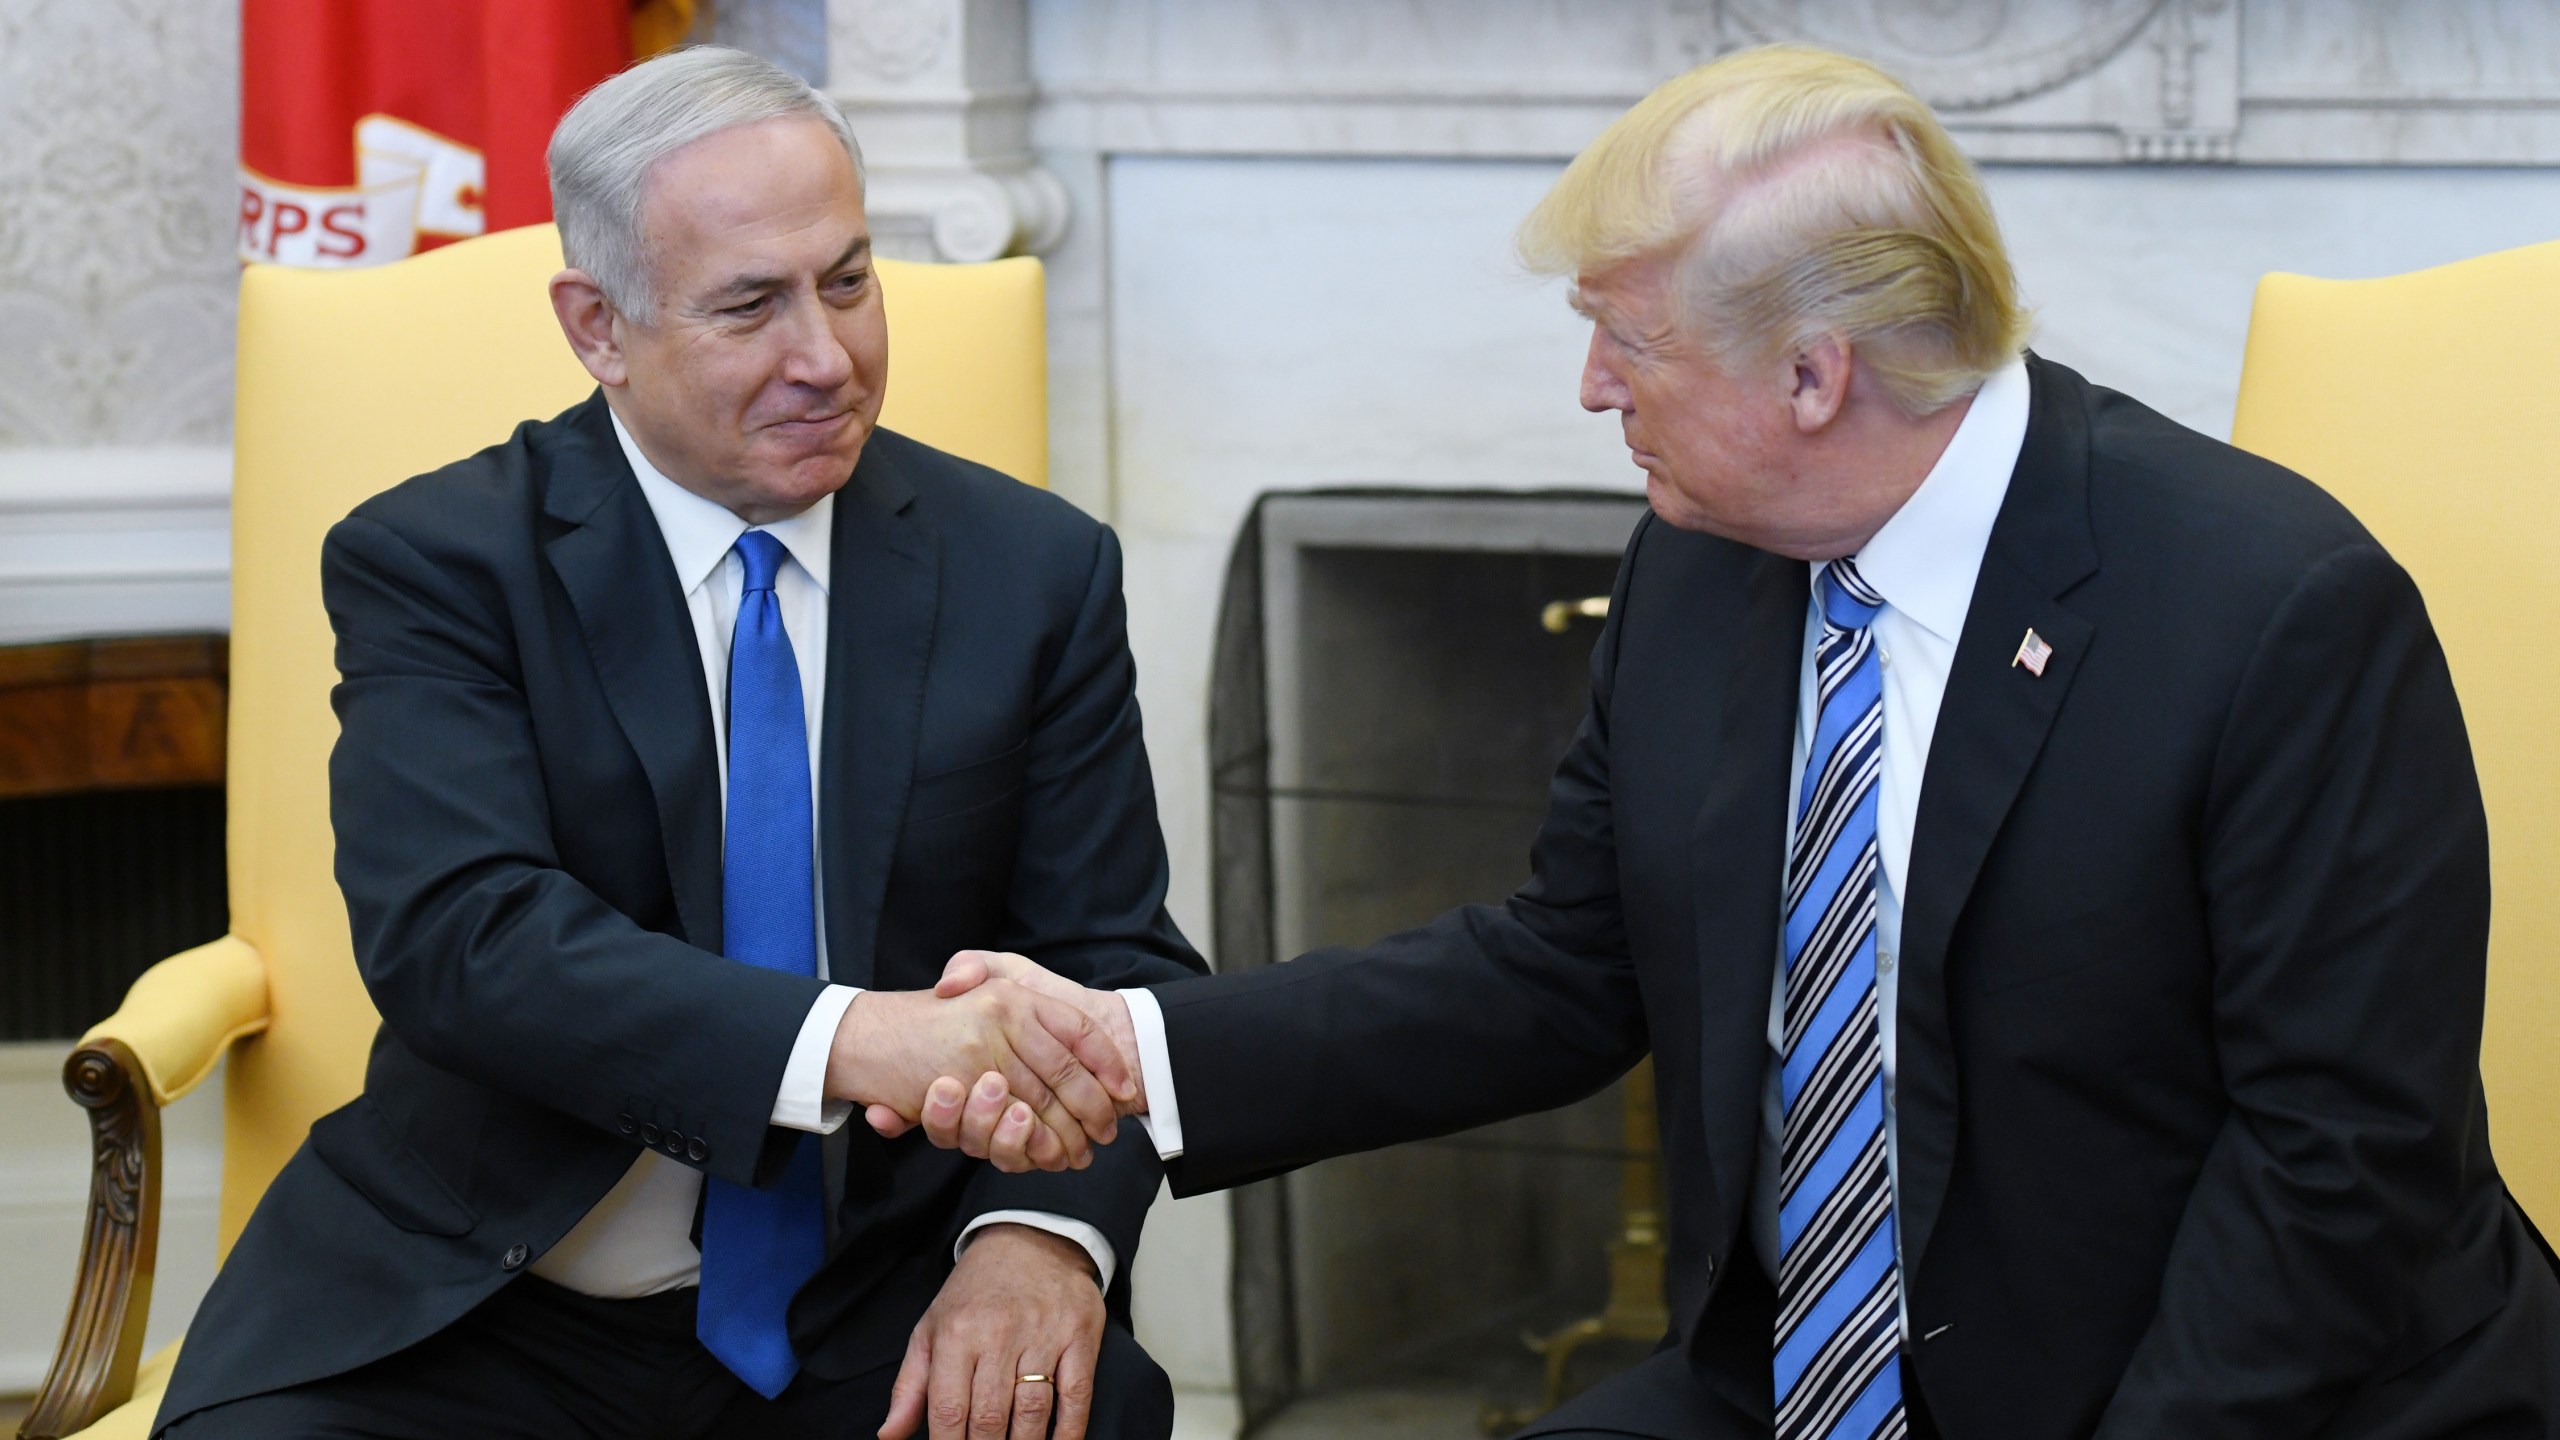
{"x":1925,"y":560}
{"x":700,"y":532}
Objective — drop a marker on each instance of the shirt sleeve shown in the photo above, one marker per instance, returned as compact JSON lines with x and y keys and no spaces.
{"x":1105,"y":1263}
{"x":1155,"y":1070}
{"x":803,"y":1103}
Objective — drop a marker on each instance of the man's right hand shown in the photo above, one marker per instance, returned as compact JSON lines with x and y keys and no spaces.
{"x":985,"y":1120}
{"x":1059,"y":1081}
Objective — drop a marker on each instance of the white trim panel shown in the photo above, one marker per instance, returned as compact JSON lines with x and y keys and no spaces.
{"x":114,"y":541}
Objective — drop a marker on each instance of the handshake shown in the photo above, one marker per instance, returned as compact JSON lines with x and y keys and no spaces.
{"x":1056,"y":1064}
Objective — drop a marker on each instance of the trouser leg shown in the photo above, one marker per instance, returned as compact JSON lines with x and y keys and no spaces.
{"x":533,"y":1361}
{"x":1132,"y":1400}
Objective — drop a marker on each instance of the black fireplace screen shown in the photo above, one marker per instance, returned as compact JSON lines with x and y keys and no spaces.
{"x":1386,"y":708}
{"x":95,"y":886}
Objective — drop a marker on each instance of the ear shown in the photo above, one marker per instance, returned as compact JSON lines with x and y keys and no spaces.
{"x":1818,"y":382}
{"x":588,"y":319}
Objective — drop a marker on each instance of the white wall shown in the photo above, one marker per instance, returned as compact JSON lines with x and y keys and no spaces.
{"x":2143,"y":275}
{"x":1280,"y":324}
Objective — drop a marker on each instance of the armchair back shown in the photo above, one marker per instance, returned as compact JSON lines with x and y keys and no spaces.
{"x":351,"y":381}
{"x":2426,"y":403}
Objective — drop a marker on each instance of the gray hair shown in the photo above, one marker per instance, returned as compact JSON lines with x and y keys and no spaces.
{"x":606,"y":145}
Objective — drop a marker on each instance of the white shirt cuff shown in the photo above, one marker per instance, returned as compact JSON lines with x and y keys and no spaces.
{"x":1105,"y":1263}
{"x":803,"y":1103}
{"x":1155,"y":1070}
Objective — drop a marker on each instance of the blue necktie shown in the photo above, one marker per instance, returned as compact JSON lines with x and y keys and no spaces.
{"x":760,"y":1246}
{"x":1839,"y":1285}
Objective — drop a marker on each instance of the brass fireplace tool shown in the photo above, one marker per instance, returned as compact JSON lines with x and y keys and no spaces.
{"x":1635,"y":1310}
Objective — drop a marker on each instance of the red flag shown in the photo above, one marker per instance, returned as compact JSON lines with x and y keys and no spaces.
{"x":371,"y":129}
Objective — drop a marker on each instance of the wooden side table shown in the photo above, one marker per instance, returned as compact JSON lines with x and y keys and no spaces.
{"x":118,"y":714}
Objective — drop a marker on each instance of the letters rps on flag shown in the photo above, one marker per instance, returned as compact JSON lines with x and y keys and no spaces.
{"x":372,"y":129}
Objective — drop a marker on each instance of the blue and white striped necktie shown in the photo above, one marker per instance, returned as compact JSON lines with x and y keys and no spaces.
{"x":1839,"y":1285}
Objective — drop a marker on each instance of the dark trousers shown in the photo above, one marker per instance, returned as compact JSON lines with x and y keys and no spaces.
{"x":540,"y":1362}
{"x":1694,"y":1415}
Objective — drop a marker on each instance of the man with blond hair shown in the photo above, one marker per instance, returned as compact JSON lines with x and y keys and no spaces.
{"x":2037,"y":843}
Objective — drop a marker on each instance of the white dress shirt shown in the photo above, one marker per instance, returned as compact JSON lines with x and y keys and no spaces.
{"x":1924,"y":562}
{"x":638,"y":1240}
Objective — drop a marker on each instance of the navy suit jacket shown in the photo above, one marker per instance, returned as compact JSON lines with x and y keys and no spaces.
{"x":525,"y":794}
{"x":2192,"y":1140}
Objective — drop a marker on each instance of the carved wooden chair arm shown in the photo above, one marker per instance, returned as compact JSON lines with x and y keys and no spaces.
{"x":173,"y":1027}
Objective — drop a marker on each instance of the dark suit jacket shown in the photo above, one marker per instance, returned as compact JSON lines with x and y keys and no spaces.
{"x":528,"y":824}
{"x":2191,"y":1130}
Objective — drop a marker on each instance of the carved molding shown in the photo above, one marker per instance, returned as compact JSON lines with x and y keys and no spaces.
{"x":892,"y":39}
{"x":940,"y":93}
{"x":967,"y":213}
{"x":2453,"y":82}
{"x":2153,"y":81}
{"x":102,"y":1338}
{"x":1958,"y":56}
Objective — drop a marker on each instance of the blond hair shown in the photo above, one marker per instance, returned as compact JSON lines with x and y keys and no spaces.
{"x":1800,"y":193}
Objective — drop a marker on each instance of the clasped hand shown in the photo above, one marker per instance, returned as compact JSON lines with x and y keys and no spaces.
{"x":1056,"y":1063}
{"x":1053,"y":1082}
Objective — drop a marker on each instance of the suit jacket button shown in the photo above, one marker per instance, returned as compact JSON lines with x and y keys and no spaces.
{"x":697,"y":1151}
{"x":649,"y":1135}
{"x":514,"y":1258}
{"x":629,"y":1125}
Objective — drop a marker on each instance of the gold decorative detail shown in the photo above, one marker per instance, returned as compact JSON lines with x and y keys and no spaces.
{"x":1559,"y":615}
{"x":1635,"y":1310}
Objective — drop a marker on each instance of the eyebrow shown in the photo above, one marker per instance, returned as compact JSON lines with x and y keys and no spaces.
{"x":747,"y":285}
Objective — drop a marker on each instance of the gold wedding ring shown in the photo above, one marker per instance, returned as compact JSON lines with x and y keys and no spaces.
{"x":1030,"y":1379}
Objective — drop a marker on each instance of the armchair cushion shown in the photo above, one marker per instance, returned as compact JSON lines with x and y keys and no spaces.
{"x":132,"y":1420}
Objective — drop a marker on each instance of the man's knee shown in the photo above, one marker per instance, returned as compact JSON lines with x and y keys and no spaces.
{"x":259,"y":1417}
{"x":1132,"y":1396}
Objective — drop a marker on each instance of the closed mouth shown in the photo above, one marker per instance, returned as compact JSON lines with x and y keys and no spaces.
{"x":810,"y":422}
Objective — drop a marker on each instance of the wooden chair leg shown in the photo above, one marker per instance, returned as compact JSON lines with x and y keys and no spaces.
{"x":102,"y":1340}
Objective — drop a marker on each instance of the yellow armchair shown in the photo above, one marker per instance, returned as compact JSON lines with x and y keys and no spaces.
{"x":2425,"y":403}
{"x":349,"y":383}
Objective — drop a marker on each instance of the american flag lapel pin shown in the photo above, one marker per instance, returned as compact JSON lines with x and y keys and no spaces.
{"x":2032,"y":653}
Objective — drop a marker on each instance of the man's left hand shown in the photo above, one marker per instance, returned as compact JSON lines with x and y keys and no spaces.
{"x":1021,"y":1302}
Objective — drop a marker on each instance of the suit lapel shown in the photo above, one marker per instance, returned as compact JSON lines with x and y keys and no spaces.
{"x":612,"y":560}
{"x":1739,"y":843}
{"x":1992,"y":725}
{"x":880,"y":622}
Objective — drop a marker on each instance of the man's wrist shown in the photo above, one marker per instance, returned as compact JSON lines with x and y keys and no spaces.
{"x":1012,"y":1242}
{"x":803,"y":1102}
{"x":848,"y":1056}
{"x":1160,"y":1112}
{"x":1103,"y":1262}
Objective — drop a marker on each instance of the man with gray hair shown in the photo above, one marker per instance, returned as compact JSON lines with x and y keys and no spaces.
{"x":682,"y":736}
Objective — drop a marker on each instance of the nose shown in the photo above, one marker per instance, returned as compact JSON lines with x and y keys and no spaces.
{"x":1602,"y":388}
{"x":816,"y":357}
